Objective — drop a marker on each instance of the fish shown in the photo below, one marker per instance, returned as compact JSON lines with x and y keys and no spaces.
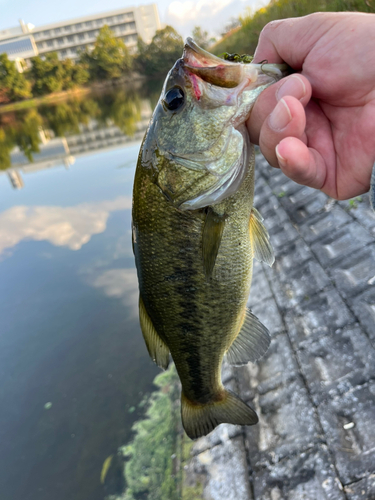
{"x":195,"y":232}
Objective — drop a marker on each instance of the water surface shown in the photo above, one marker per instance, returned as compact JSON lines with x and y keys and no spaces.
{"x":73,"y":365}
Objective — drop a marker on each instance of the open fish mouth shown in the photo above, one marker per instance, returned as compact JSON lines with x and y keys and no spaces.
{"x":226,"y":74}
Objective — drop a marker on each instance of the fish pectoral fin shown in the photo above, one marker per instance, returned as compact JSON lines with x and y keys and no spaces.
{"x":251,"y":343}
{"x":157,"y":348}
{"x":199,"y":420}
{"x":260,"y":239}
{"x":212,"y":234}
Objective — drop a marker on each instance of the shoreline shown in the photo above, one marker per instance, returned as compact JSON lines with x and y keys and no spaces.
{"x":133,"y":80}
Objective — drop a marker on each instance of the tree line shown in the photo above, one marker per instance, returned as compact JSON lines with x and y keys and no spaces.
{"x":109,"y":59}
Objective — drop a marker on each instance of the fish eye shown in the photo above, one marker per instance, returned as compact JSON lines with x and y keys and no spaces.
{"x":174,"y":98}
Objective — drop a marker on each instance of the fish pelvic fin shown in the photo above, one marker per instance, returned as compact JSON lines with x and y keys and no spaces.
{"x":200,"y":419}
{"x":251,"y":343}
{"x":157,"y":348}
{"x":260,"y":239}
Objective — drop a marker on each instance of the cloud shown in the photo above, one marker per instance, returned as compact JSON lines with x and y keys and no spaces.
{"x":72,"y":227}
{"x":120,"y":283}
{"x":211,"y":15}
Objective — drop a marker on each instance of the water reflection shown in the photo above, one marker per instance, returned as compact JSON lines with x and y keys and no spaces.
{"x":73,"y":365}
{"x":58,"y":134}
{"x":61,"y":226}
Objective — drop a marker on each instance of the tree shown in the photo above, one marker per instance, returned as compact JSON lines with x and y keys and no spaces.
{"x":73,"y":74}
{"x":6,"y":146}
{"x":13,"y":85}
{"x":157,"y":58}
{"x":52,"y":75}
{"x":48,"y":74}
{"x":26,"y":134}
{"x":110,"y":57}
{"x":202,"y":38}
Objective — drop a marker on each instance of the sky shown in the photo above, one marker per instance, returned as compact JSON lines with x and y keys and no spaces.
{"x":211,"y":15}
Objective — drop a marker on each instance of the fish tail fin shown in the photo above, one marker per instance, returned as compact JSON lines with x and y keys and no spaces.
{"x":200,"y":419}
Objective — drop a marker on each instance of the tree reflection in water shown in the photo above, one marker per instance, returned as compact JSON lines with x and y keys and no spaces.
{"x":29,"y":129}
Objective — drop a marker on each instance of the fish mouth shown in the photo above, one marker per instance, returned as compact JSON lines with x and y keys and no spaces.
{"x":222,"y":73}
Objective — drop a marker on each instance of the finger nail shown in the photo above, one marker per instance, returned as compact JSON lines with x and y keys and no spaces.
{"x":281,"y":159}
{"x":280,"y":116}
{"x":293,"y":86}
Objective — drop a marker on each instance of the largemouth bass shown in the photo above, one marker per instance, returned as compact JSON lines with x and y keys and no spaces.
{"x":195,"y":232}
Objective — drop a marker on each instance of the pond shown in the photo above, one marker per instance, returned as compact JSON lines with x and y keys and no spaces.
{"x":74,"y":369}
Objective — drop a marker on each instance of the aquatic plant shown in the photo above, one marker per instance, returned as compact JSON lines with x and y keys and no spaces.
{"x":151,"y":471}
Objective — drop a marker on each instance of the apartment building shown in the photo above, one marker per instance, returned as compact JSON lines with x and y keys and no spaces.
{"x":67,"y":37}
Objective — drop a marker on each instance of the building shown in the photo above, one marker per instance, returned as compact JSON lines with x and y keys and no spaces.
{"x":18,"y":44}
{"x":67,"y":37}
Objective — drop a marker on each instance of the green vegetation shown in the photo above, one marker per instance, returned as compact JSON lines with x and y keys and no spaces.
{"x":109,"y":58}
{"x":150,"y":471}
{"x":245,"y":39}
{"x":353,"y":203}
{"x":13,"y":85}
{"x":201,"y":37}
{"x":52,"y":75}
{"x":157,"y":58}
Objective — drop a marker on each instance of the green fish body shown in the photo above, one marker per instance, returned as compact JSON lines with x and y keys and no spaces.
{"x":195,"y":233}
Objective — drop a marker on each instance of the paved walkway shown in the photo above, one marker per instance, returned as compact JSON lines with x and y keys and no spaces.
{"x":314,"y":391}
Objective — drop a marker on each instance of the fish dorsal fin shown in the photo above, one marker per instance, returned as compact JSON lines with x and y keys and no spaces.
{"x":251,"y":343}
{"x":157,"y":348}
{"x":259,"y":239}
{"x":211,"y":239}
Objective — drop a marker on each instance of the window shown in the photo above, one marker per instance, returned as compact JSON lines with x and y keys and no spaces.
{"x":81,"y":36}
{"x":40,"y":45}
{"x":99,"y":22}
{"x":73,"y":51}
{"x":68,"y":29}
{"x":120,"y":17}
{"x":91,"y":34}
{"x":36,"y":36}
{"x":88,"y":24}
{"x":50,"y":43}
{"x":122,"y":27}
{"x":60,"y":41}
{"x":63,"y":53}
{"x":70,"y":38}
{"x":109,"y":20}
{"x":46,"y":33}
{"x":57,"y":31}
{"x":79,"y":26}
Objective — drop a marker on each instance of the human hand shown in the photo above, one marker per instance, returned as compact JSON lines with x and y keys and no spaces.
{"x":327,"y":141}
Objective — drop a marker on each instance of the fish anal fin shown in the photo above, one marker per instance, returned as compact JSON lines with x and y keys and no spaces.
{"x":251,"y":343}
{"x":259,"y":239}
{"x":200,"y":420}
{"x":157,"y":348}
{"x":211,"y":239}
